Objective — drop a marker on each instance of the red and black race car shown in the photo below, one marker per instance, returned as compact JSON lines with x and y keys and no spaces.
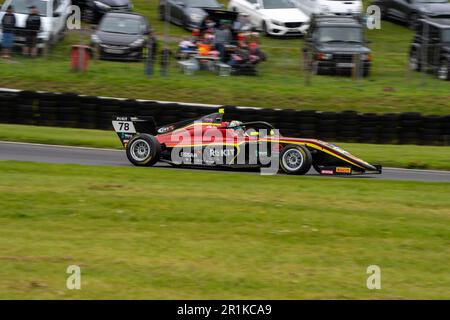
{"x":210,"y":141}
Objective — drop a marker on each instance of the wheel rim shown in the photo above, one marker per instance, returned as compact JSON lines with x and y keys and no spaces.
{"x":140,"y":150}
{"x":413,"y":63}
{"x":443,"y":72}
{"x":292,"y":159}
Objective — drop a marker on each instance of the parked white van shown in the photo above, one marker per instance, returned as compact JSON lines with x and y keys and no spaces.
{"x":330,"y":7}
{"x":54,"y":14}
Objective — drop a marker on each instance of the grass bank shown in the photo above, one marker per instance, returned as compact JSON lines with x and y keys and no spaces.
{"x":160,"y":234}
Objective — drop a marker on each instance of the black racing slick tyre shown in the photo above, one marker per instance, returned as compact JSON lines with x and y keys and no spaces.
{"x":295,"y":159}
{"x":143,"y":150}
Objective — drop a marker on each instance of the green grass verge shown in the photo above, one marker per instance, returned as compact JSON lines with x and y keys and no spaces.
{"x":391,"y":88}
{"x":163,"y":234}
{"x":403,"y":156}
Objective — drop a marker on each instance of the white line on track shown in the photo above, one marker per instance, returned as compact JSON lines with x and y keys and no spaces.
{"x":59,"y":146}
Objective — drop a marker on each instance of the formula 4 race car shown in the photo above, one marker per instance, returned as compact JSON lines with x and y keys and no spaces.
{"x":210,"y":141}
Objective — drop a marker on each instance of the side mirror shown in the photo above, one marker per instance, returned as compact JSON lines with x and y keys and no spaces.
{"x":257,"y":6}
{"x":56,"y":14}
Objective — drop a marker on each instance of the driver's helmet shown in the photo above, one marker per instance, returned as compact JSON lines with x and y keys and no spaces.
{"x":234,"y":124}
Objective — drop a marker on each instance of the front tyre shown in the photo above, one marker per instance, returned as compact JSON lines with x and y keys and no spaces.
{"x":143,"y":150}
{"x":295,"y":159}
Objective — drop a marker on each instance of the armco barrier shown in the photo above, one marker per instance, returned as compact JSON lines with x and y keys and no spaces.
{"x":77,"y":111}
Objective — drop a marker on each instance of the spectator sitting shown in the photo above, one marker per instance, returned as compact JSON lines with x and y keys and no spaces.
{"x":204,"y":49}
{"x":196,"y":35}
{"x":208,"y":38}
{"x":8,"y":26}
{"x":185,"y":47}
{"x":255,"y":54}
{"x":240,"y":57}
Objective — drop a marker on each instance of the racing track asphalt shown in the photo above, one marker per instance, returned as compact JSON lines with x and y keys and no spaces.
{"x":93,"y":156}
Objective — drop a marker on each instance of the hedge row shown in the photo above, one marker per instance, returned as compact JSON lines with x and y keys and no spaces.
{"x":72,"y":110}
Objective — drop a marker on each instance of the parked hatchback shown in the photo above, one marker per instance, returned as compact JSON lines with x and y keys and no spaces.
{"x":121,"y":36}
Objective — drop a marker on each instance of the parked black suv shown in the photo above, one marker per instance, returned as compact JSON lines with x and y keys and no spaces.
{"x":430,"y":49}
{"x":121,"y":36}
{"x":410,"y":11}
{"x":335,"y":44}
{"x":93,"y":10}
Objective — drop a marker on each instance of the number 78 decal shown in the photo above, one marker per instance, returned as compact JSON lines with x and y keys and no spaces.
{"x":124,"y":126}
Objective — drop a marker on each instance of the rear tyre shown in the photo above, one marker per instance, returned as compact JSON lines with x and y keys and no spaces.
{"x":295,"y":159}
{"x":143,"y":150}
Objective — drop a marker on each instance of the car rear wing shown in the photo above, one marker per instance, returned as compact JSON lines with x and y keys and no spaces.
{"x":128,"y":127}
